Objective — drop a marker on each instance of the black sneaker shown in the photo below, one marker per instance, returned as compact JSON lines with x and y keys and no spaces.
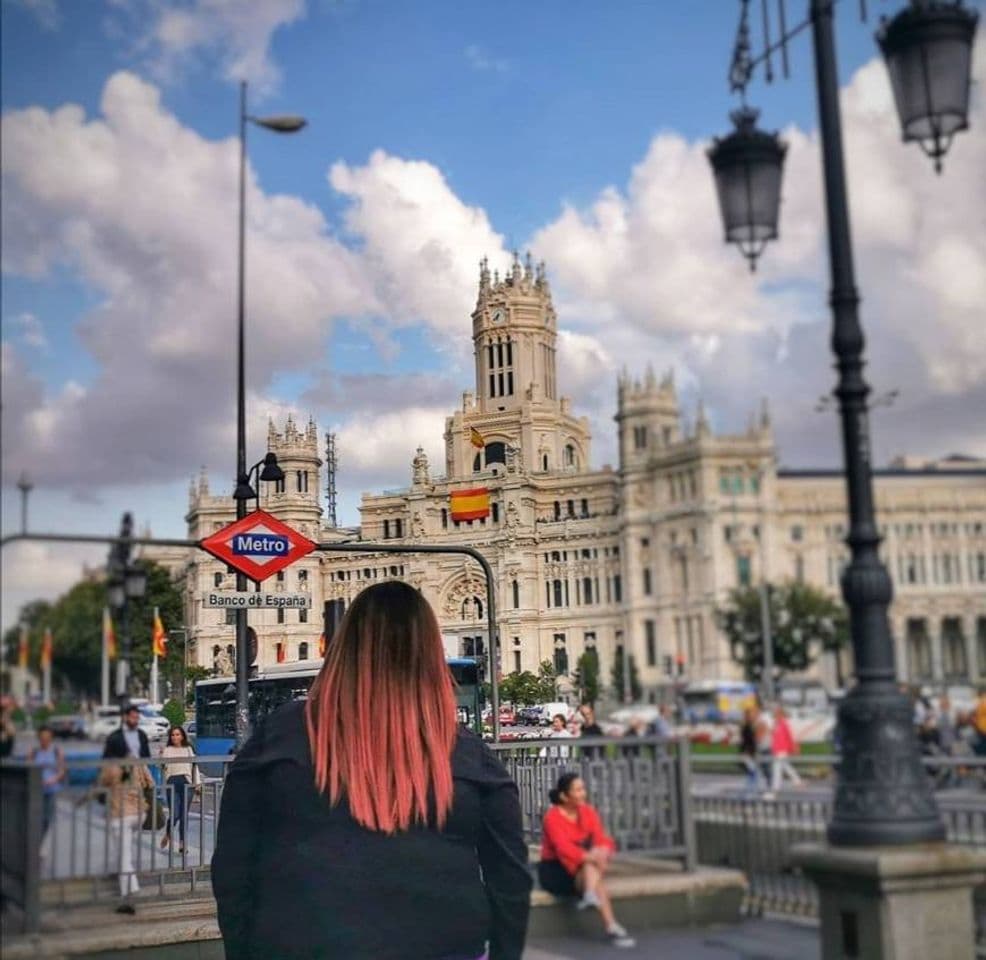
{"x":127,"y":908}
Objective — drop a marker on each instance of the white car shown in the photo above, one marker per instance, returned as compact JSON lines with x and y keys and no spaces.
{"x":107,"y":719}
{"x":154,"y":724}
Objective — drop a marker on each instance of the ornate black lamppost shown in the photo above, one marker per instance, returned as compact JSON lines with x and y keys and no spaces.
{"x":279,"y":124}
{"x":126,"y":581}
{"x":882,"y":793}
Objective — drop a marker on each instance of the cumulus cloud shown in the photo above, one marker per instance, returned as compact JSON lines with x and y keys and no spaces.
{"x":46,"y":12}
{"x":643,"y":269}
{"x":31,"y":331}
{"x":144,"y":211}
{"x":239,"y":33}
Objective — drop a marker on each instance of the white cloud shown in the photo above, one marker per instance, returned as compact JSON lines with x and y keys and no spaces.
{"x":31,"y":331}
{"x":46,"y":12}
{"x":481,"y":61}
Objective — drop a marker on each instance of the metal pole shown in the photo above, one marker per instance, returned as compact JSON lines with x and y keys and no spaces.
{"x":767,"y":680}
{"x":882,"y":794}
{"x":25,"y":486}
{"x":242,"y":645}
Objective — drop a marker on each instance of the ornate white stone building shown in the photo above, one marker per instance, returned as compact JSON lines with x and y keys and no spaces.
{"x":585,"y":557}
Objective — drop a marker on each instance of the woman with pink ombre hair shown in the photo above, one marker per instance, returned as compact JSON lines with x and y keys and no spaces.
{"x":366,"y":823}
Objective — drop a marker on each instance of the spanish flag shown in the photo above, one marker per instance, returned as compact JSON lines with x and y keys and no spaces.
{"x":22,"y":649}
{"x":476,"y":438}
{"x":159,"y":639}
{"x":109,"y":635}
{"x":321,"y":645}
{"x":471,"y":504}
{"x":46,"y":644}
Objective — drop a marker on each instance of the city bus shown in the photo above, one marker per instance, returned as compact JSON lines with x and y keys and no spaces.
{"x":717,"y":701}
{"x":215,"y":699}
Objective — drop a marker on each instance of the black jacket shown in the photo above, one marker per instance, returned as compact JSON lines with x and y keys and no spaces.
{"x":295,"y":877}
{"x":116,"y":746}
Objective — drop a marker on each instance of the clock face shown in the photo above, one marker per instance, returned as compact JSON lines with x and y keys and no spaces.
{"x":498,"y":316}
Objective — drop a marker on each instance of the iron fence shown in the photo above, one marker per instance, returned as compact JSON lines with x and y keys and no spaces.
{"x":755,"y":832}
{"x":641,"y":788}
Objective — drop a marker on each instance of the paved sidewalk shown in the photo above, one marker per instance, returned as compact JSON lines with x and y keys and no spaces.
{"x":750,"y":940}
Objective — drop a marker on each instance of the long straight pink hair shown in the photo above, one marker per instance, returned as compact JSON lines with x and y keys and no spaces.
{"x":381,"y":713}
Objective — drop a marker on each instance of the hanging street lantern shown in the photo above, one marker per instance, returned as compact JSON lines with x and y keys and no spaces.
{"x":747,"y":166}
{"x":928,"y":49}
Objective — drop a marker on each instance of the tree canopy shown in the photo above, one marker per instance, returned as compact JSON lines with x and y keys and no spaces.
{"x":804,"y":621}
{"x":76,"y":622}
{"x":586,"y":677}
{"x":527,"y":689}
{"x":636,"y":690}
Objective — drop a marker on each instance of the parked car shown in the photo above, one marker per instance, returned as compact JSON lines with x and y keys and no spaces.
{"x":104,"y":721}
{"x":107,"y":719}
{"x":549,"y":710}
{"x":154,"y":724}
{"x":507,"y":717}
{"x":530,"y":716}
{"x":68,"y":726}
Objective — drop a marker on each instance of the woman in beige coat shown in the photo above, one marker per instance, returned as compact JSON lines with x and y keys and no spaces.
{"x":125,"y":783}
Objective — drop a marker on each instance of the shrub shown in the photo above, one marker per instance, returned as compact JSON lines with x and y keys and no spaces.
{"x":174,"y":712}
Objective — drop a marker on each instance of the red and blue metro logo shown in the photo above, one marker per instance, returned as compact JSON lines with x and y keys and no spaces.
{"x":258,"y":545}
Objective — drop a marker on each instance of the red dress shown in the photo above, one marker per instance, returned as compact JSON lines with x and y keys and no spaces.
{"x":567,"y":841}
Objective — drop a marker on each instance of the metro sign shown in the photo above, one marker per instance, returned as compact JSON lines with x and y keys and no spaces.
{"x":258,"y":545}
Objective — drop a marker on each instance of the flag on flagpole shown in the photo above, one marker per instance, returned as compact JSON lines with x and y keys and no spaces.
{"x":46,"y":645}
{"x":109,"y":635}
{"x":476,"y":438}
{"x":22,"y":649}
{"x":473,"y":504}
{"x":159,"y":639}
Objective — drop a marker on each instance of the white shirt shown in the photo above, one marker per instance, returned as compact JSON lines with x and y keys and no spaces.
{"x":132,"y":739}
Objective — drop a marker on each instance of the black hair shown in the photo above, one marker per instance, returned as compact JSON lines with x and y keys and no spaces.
{"x":130,"y":708}
{"x":44,"y":727}
{"x":563,"y":785}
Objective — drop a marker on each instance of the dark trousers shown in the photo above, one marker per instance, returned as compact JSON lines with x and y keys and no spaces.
{"x":178,"y":816}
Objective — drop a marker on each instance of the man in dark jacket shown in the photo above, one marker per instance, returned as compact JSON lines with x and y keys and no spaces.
{"x":129,"y":740}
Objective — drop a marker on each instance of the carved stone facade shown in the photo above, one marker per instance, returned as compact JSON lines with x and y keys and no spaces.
{"x":639,"y":555}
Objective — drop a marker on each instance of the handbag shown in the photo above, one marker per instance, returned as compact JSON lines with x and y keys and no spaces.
{"x":156,"y":815}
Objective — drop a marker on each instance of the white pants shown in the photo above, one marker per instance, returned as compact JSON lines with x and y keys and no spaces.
{"x":123,"y":830}
{"x":779,"y":767}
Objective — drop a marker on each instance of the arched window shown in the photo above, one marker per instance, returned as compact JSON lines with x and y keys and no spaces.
{"x":495,"y":452}
{"x":472,"y":608}
{"x":477,"y":463}
{"x":303,"y":650}
{"x":556,"y":590}
{"x":570,"y":457}
{"x":587,"y":589}
{"x":516,"y":592}
{"x":544,"y":462}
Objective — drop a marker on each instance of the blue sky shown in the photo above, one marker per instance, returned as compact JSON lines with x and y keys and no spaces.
{"x":438,"y":131}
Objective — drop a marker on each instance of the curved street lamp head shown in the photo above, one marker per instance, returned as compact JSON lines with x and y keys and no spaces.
{"x":243,"y":489}
{"x":287,"y":123}
{"x":271,"y":471}
{"x":748,"y":165}
{"x":928,"y":50}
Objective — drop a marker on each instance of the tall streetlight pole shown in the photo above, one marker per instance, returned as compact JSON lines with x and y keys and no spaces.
{"x":279,"y":124}
{"x":882,"y":794}
{"x":25,"y":486}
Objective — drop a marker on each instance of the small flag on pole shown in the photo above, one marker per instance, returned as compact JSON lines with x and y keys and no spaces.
{"x":473,"y":504}
{"x":22,"y":649}
{"x":109,"y":635}
{"x":476,"y":438}
{"x":159,"y":639}
{"x":46,"y":645}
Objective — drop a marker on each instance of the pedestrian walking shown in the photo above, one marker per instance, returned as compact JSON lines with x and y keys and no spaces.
{"x":8,"y":731}
{"x":179,"y":773}
{"x":749,"y":750}
{"x":782,"y":747}
{"x":128,"y":740}
{"x":49,"y":756}
{"x":125,"y":783}
{"x":385,"y":828}
{"x":590,"y":728}
{"x":576,"y":853}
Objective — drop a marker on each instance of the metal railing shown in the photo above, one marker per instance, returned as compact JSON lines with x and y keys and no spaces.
{"x":754,"y":832}
{"x":641,"y":788}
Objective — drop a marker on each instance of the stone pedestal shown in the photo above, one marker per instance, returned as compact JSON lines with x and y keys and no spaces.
{"x":894,"y":903}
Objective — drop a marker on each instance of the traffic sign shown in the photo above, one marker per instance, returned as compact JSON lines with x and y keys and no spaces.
{"x":258,"y":545}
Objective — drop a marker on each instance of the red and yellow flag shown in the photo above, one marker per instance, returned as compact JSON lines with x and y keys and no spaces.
{"x":46,"y":645}
{"x":22,"y":649}
{"x":476,"y":438}
{"x":159,"y":639}
{"x":109,"y":635}
{"x":321,"y":645}
{"x":473,"y":504}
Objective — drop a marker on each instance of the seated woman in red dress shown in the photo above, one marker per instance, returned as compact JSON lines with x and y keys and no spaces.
{"x":575,"y":854}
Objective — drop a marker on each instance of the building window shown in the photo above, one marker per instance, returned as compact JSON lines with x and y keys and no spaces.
{"x":279,"y":650}
{"x":495,"y":512}
{"x":797,"y":533}
{"x":280,"y":614}
{"x":230,"y":617}
{"x":444,"y":519}
{"x":650,"y":636}
{"x":386,"y":529}
{"x":556,"y":592}
{"x":217,"y":579}
{"x":398,"y":529}
{"x":617,"y":588}
{"x":516,"y":661}
{"x":515,"y":587}
{"x":585,"y":507}
{"x":587,"y":590}
{"x":301,"y":478}
{"x":743,"y":570}
{"x":954,"y":663}
{"x":544,"y":462}
{"x":918,"y":649}
{"x":571,"y":508}
{"x":981,"y":645}
{"x":561,"y":655}
{"x":279,"y":485}
{"x":303,"y":615}
{"x":799,"y":568}
{"x":639,"y":438}
{"x":280,"y":576}
{"x":303,"y":650}
{"x":558,"y":510}
{"x":648,"y":585}
{"x":302,"y":578}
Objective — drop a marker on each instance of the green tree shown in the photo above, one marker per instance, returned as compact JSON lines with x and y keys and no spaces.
{"x":586,"y":677}
{"x":803,"y":622}
{"x":520,"y":688}
{"x":76,"y":622}
{"x":547,"y":682}
{"x":636,"y":691}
